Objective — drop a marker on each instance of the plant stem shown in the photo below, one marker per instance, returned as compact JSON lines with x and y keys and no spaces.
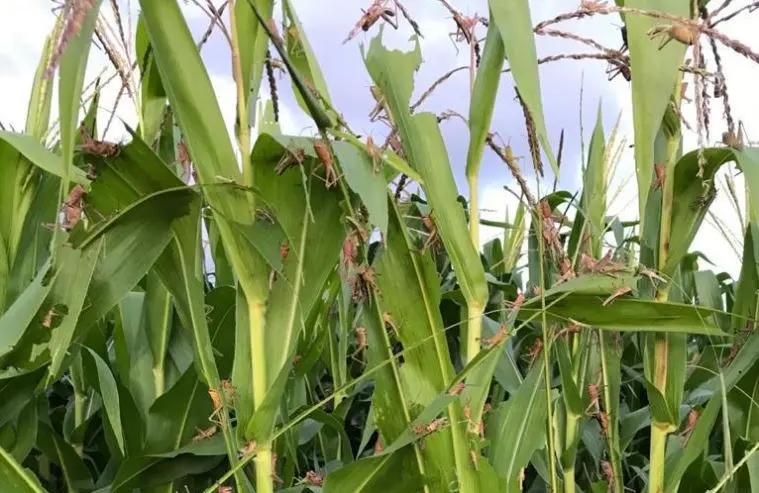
{"x":78,"y":419}
{"x":243,"y":131}
{"x":659,"y":431}
{"x":474,"y":319}
{"x":657,"y":455}
{"x":77,"y":381}
{"x":264,"y":480}
{"x":159,"y":366}
{"x":256,"y":317}
{"x":474,"y":330}
{"x":474,"y":212}
{"x":570,"y":426}
{"x":616,"y":483}
{"x":338,"y":364}
{"x":256,"y":306}
{"x":546,"y":363}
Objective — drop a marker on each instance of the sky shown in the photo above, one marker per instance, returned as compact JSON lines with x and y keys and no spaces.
{"x":22,"y":35}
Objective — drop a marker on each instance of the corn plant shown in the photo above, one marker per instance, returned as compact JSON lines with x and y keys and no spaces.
{"x":183,"y":311}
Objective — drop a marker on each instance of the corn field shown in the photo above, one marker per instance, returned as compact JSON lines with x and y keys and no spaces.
{"x":185,"y":312}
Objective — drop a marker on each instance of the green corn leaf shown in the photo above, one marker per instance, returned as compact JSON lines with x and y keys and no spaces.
{"x":361,"y":177}
{"x":105,"y":384}
{"x":335,"y":426}
{"x":252,"y":42}
{"x":174,"y":417}
{"x":69,"y":292}
{"x":390,"y":407}
{"x":484,"y":93}
{"x":514,"y":239}
{"x":136,"y":238}
{"x":191,"y":96}
{"x":75,"y":472}
{"x":393,"y":72}
{"x":572,"y":395}
{"x":631,"y":423}
{"x":146,"y":472}
{"x":303,"y":59}
{"x":611,"y":362}
{"x":375,"y":474}
{"x":515,"y":25}
{"x":591,"y":220}
{"x":744,"y":306}
{"x":517,"y":430}
{"x":691,"y":200}
{"x":159,"y":312}
{"x":152,"y":94}
{"x":318,"y":114}
{"x":743,"y":423}
{"x":679,"y":461}
{"x":389,"y":158}
{"x":27,"y":427}
{"x":35,"y":152}
{"x":21,"y":313}
{"x":628,"y":314}
{"x":291,"y":200}
{"x":135,"y":369}
{"x":654,"y":73}
{"x":15,"y":477}
{"x":16,"y":393}
{"x":71,"y":81}
{"x":137,"y":172}
{"x":40,"y":102}
{"x":406,"y":281}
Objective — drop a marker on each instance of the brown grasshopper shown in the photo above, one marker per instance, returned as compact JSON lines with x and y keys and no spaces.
{"x":361,"y":340}
{"x":535,"y":350}
{"x":690,"y":424}
{"x":474,"y":427}
{"x":616,"y":294}
{"x":736,"y":140}
{"x":684,"y":34}
{"x":206,"y":433}
{"x":592,"y":5}
{"x":364,"y":282}
{"x":465,"y":27}
{"x":661,"y":175}
{"x":377,"y":10}
{"x":72,"y":207}
{"x":313,"y":478}
{"x":608,"y":473}
{"x":431,"y":427}
{"x":98,"y":147}
{"x":457,"y":389}
{"x":248,"y":449}
{"x":183,"y":158}
{"x":572,"y":328}
{"x":375,"y":154}
{"x":291,"y":157}
{"x":594,"y":393}
{"x":499,"y":336}
{"x":218,"y":407}
{"x":325,"y":156}
{"x":433,"y":237}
